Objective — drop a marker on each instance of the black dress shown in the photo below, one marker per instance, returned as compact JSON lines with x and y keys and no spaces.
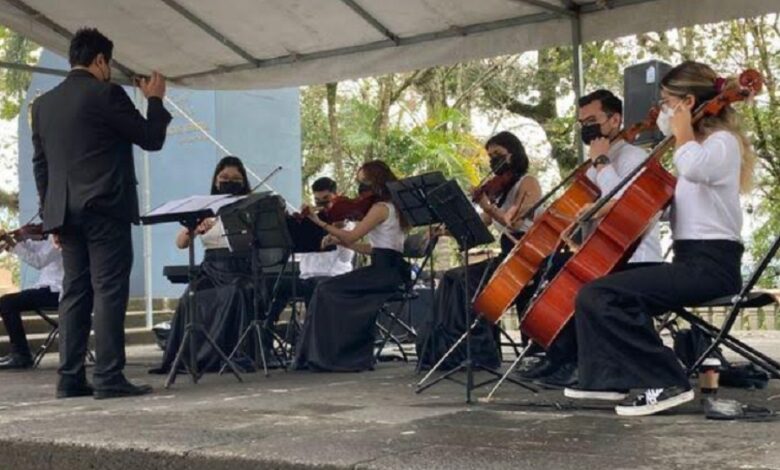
{"x":338,"y":333}
{"x":223,"y":296}
{"x":448,"y":322}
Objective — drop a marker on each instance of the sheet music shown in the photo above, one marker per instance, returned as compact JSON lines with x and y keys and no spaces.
{"x":194,"y":204}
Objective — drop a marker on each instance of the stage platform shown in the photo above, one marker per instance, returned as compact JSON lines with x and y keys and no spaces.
{"x":370,"y":420}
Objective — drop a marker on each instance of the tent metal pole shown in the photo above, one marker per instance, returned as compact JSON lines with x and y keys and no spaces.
{"x":576,"y":72}
{"x":370,"y":19}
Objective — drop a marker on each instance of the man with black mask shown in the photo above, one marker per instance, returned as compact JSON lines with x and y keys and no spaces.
{"x":600,"y":116}
{"x":83,"y":131}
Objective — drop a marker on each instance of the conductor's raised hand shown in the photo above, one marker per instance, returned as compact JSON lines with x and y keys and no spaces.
{"x":152,"y":86}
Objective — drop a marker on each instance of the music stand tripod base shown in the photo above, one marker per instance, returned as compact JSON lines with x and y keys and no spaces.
{"x":462,"y":221}
{"x":192,"y":327}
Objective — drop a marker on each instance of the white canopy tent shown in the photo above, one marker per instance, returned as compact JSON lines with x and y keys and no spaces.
{"x":235,"y":44}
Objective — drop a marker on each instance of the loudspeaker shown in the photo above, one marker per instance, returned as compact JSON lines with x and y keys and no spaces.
{"x":641,"y":91}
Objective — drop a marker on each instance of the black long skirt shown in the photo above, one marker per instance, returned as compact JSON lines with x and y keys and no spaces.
{"x":618,"y":346}
{"x":339,"y":330}
{"x":448,"y":322}
{"x":223,"y":298}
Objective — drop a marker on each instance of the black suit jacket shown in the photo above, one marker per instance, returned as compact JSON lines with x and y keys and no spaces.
{"x":83,"y":131}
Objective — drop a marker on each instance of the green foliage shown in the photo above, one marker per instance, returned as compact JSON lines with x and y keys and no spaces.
{"x":14,"y":83}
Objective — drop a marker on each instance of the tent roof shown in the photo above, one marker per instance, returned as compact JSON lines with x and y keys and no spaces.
{"x":229,"y":44}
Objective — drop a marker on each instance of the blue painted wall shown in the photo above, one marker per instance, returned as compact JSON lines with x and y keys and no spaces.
{"x":260,"y":126}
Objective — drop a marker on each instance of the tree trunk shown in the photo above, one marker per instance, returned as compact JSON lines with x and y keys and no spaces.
{"x":337,"y":154}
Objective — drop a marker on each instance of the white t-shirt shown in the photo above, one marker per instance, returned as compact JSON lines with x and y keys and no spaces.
{"x":706,"y":200}
{"x":624,"y":158}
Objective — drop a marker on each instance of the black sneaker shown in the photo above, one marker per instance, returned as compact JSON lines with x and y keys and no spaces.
{"x":655,"y":400}
{"x":542,"y":368}
{"x":565,"y":376}
{"x":16,"y":361}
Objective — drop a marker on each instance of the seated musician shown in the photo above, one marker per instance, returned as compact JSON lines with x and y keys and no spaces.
{"x":338,"y":332}
{"x":44,"y":294}
{"x":600,"y":115}
{"x":314,"y":267}
{"x":507,"y":154}
{"x":619,"y":348}
{"x":223,"y":287}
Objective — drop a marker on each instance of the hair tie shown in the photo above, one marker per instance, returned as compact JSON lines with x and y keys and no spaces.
{"x":720,"y":82}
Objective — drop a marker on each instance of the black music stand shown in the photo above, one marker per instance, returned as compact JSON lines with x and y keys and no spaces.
{"x":465,"y":225}
{"x":190,"y":212}
{"x":257,"y":225}
{"x":411,"y":197}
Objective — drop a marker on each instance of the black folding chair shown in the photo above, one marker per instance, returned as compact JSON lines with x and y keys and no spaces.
{"x":46,"y":315}
{"x":747,"y":298}
{"x":416,"y":246}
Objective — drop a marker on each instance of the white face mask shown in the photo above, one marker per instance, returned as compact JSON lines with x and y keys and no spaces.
{"x":664,"y":120}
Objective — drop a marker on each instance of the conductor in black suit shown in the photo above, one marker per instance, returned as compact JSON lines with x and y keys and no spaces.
{"x":83,"y":135}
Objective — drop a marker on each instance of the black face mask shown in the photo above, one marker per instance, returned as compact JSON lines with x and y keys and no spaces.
{"x":364,"y":187}
{"x":499,"y":164}
{"x":231,"y":187}
{"x":590,"y":133}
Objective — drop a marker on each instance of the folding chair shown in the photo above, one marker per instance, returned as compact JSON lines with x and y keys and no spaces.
{"x":416,"y":246}
{"x":747,"y":298}
{"x":46,"y":315}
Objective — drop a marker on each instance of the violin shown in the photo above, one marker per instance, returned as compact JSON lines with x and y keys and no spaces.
{"x":343,"y":208}
{"x":25,"y":232}
{"x":493,"y":187}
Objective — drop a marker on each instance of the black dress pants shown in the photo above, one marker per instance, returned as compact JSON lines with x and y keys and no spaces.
{"x":11,"y":308}
{"x":618,"y":346}
{"x":97,"y":255}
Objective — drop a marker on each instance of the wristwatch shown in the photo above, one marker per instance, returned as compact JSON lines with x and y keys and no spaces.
{"x":601,"y":160}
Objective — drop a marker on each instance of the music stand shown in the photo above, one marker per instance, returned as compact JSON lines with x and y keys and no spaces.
{"x":190,"y":212}
{"x":465,"y":225}
{"x":411,"y":197}
{"x":257,"y":225}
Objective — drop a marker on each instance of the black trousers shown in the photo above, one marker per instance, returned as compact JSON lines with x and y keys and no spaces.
{"x":303,"y":288}
{"x":11,"y":308}
{"x":97,"y":256}
{"x":618,"y":346}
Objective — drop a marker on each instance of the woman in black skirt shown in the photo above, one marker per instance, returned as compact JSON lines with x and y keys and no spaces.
{"x":619,"y":348}
{"x":507,"y":154}
{"x":223,"y":287}
{"x":338,"y":333}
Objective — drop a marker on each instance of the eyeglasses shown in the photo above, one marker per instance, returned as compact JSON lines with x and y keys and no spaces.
{"x":593,"y":120}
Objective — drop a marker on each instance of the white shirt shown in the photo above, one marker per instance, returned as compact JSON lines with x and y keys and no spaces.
{"x":623,"y":158}
{"x":327,"y":263}
{"x":215,"y":238}
{"x":509,"y":201}
{"x":45,"y":257}
{"x":389,"y":234}
{"x":706,"y":200}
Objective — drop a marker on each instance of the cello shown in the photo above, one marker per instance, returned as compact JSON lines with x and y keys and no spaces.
{"x":648,"y":190}
{"x":540,"y":241}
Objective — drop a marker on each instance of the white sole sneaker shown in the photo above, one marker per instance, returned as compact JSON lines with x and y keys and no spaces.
{"x":646,"y":410}
{"x":603,"y":395}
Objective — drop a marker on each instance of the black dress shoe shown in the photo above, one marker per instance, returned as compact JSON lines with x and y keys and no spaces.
{"x":543,"y":368}
{"x":565,"y":376}
{"x":121,"y":390}
{"x":75,"y":391}
{"x":16,"y":361}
